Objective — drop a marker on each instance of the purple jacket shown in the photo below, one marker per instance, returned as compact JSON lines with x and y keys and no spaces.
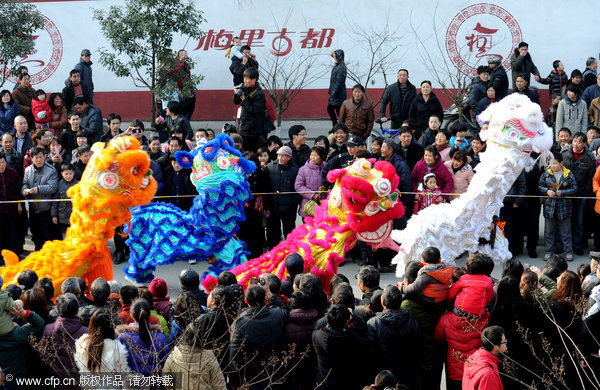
{"x":308,"y":179}
{"x":141,"y":358}
{"x":163,"y":306}
{"x":443,"y":176}
{"x":62,"y":334}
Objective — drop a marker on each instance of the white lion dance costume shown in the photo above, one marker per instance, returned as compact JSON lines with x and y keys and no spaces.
{"x":516,"y":129}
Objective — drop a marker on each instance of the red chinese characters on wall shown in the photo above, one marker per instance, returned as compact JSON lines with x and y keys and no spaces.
{"x":280,"y":43}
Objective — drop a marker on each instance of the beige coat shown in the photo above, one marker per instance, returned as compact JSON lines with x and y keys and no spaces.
{"x":199,"y":368}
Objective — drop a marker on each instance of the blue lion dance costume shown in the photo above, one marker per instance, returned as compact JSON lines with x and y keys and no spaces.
{"x":161,"y":233}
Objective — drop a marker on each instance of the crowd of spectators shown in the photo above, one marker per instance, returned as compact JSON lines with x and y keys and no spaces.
{"x":46,"y":143}
{"x":489,"y":334}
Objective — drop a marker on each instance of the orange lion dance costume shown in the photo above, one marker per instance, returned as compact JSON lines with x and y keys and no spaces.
{"x":116,"y":178}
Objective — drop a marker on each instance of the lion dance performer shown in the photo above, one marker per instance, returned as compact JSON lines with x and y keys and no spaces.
{"x":516,"y":130}
{"x":116,"y":178}
{"x":162,"y":233}
{"x":362,"y":205}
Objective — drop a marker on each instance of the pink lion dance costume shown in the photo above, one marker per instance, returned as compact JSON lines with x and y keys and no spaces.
{"x":362,"y":205}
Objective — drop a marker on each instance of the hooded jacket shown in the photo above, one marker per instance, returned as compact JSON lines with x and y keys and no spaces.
{"x":463,"y":337}
{"x":443,"y":177}
{"x":308,"y":179}
{"x":337,"y":80}
{"x":393,"y":334}
{"x":198,"y":367}
{"x":522,"y":65}
{"x":142,"y":358}
{"x":42,"y":113}
{"x":573,"y":115}
{"x":399,"y":103}
{"x":481,"y":372}
{"x":472,"y":293}
{"x":7,"y":117}
{"x":431,"y":285}
{"x":421,"y":110}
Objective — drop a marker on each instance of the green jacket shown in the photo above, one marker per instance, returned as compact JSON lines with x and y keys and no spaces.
{"x":12,"y":357}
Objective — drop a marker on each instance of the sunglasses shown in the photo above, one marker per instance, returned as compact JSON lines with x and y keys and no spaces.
{"x":137,"y":130}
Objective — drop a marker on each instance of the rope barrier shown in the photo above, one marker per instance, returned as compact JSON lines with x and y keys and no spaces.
{"x":301,"y":192}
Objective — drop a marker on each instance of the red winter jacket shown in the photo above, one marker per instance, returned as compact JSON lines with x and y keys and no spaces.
{"x":41,"y":106}
{"x":481,"y":372}
{"x":473,"y":293}
{"x":463,"y":337}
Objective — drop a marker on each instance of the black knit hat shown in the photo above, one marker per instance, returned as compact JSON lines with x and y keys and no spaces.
{"x":294,"y":264}
{"x":189,"y":279}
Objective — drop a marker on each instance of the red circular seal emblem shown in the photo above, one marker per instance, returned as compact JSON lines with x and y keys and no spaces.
{"x":43,"y":63}
{"x":479,"y":31}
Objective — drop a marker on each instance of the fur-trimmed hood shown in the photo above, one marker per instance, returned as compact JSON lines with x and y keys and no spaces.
{"x":135,"y":327}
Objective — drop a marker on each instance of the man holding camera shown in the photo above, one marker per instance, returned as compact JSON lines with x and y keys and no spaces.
{"x":253,"y":104}
{"x":238,"y":66}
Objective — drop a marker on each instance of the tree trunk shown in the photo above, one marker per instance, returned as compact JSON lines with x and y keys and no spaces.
{"x":279,"y":114}
{"x":153,"y":111}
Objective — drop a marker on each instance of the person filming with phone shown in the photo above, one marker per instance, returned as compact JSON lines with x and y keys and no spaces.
{"x":253,"y":103}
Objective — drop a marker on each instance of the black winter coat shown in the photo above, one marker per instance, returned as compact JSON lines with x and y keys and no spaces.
{"x":298,"y":331}
{"x":300,"y":157}
{"x":519,"y":187}
{"x":256,"y":335}
{"x":68,"y":94}
{"x":200,"y":295}
{"x":237,"y":69}
{"x":339,"y":161}
{"x":583,"y":169}
{"x":499,"y":79}
{"x":340,"y":357}
{"x":478,"y":92}
{"x":337,"y":80}
{"x":393,"y":334}
{"x":214,"y":331}
{"x":427,"y":138}
{"x":252,"y":118}
{"x":522,"y":65}
{"x":589,"y":77}
{"x":412,"y":155}
{"x":530,"y":93}
{"x":399,"y":103}
{"x":556,"y":81}
{"x":283,"y":180}
{"x":180,"y":123}
{"x":421,"y":110}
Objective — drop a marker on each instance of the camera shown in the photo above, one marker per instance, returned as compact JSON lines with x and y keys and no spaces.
{"x":241,"y":89}
{"x":229,"y":128}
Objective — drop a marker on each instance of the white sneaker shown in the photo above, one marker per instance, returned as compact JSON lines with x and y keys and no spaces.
{"x":192,"y":261}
